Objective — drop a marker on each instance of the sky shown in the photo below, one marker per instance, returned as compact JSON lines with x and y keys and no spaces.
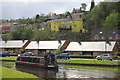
{"x":15,"y":9}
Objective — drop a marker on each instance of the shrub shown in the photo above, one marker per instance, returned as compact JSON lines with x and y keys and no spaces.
{"x":117,"y":53}
{"x":83,"y":56}
{"x":21,"y":51}
{"x":58,"y":51}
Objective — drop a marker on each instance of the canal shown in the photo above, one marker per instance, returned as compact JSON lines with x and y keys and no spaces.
{"x":64,"y":72}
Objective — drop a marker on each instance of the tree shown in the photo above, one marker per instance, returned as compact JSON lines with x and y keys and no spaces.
{"x":112,"y":21}
{"x":83,"y":6}
{"x":27,"y":33}
{"x":97,"y":16}
{"x":71,"y":36}
{"x":37,"y":16}
{"x":68,"y":14}
{"x":4,"y":38}
{"x":41,"y":35}
{"x":22,"y":34}
{"x":17,"y":33}
{"x":40,"y":18}
{"x":58,"y":51}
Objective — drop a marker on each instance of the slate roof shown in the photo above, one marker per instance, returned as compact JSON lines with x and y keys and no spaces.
{"x":91,"y":46}
{"x":45,"y":45}
{"x":12,"y":44}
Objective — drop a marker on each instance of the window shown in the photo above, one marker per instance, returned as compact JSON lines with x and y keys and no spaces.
{"x":26,"y":59}
{"x":36,"y":60}
{"x":102,"y":37}
{"x":118,"y":43}
{"x":74,"y":25}
{"x":71,"y":53}
{"x":105,"y":55}
{"x":110,"y":37}
{"x":117,"y":36}
{"x":114,"y":32}
{"x":80,"y":31}
{"x":22,"y":58}
{"x":29,"y":59}
{"x":18,"y":59}
{"x":96,"y":37}
{"x":33,"y":60}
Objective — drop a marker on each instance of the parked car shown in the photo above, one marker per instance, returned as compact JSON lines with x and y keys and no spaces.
{"x":63,"y":55}
{"x":28,"y":54}
{"x":5,"y":54}
{"x":104,"y":57}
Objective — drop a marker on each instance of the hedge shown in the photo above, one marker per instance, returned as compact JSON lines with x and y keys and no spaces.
{"x":83,"y":56}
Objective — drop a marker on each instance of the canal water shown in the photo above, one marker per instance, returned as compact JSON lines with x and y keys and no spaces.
{"x":64,"y":72}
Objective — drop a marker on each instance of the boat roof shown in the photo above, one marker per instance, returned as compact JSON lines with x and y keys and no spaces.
{"x":32,"y":56}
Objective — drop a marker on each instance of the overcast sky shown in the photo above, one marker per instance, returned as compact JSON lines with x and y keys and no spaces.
{"x":14,"y":9}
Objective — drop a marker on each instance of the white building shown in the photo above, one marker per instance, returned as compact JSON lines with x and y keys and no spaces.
{"x":92,"y":48}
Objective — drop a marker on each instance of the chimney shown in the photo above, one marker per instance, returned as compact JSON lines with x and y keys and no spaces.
{"x":92,"y":5}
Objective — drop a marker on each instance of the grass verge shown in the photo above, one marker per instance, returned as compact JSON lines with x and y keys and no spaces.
{"x":10,"y":73}
{"x":89,"y":61}
{"x":75,"y":61}
{"x":8,"y":63}
{"x":8,"y":58}
{"x":93,"y":68}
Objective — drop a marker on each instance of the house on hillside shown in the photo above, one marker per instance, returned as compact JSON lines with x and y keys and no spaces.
{"x":102,"y":34}
{"x":13,"y":45}
{"x":92,"y":48}
{"x":78,"y":13}
{"x":7,"y":27}
{"x":73,"y":25}
{"x":43,"y":46}
{"x":106,"y":35}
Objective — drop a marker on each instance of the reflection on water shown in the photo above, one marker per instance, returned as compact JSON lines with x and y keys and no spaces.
{"x":8,"y":66}
{"x":41,"y":73}
{"x":70,"y":73}
{"x":67,"y":73}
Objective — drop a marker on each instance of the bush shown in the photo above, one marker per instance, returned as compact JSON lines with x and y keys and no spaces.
{"x":21,"y":51}
{"x":58,"y":51}
{"x":118,"y":53}
{"x":41,"y":55}
{"x":83,"y":56}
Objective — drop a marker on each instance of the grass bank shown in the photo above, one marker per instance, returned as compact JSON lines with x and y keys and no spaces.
{"x":93,"y":68}
{"x":8,"y":63}
{"x":81,"y":67}
{"x":89,"y":61}
{"x":10,"y":73}
{"x":8,"y":58}
{"x":74,"y":61}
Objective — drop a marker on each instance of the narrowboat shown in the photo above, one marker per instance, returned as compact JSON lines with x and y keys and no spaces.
{"x":34,"y":61}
